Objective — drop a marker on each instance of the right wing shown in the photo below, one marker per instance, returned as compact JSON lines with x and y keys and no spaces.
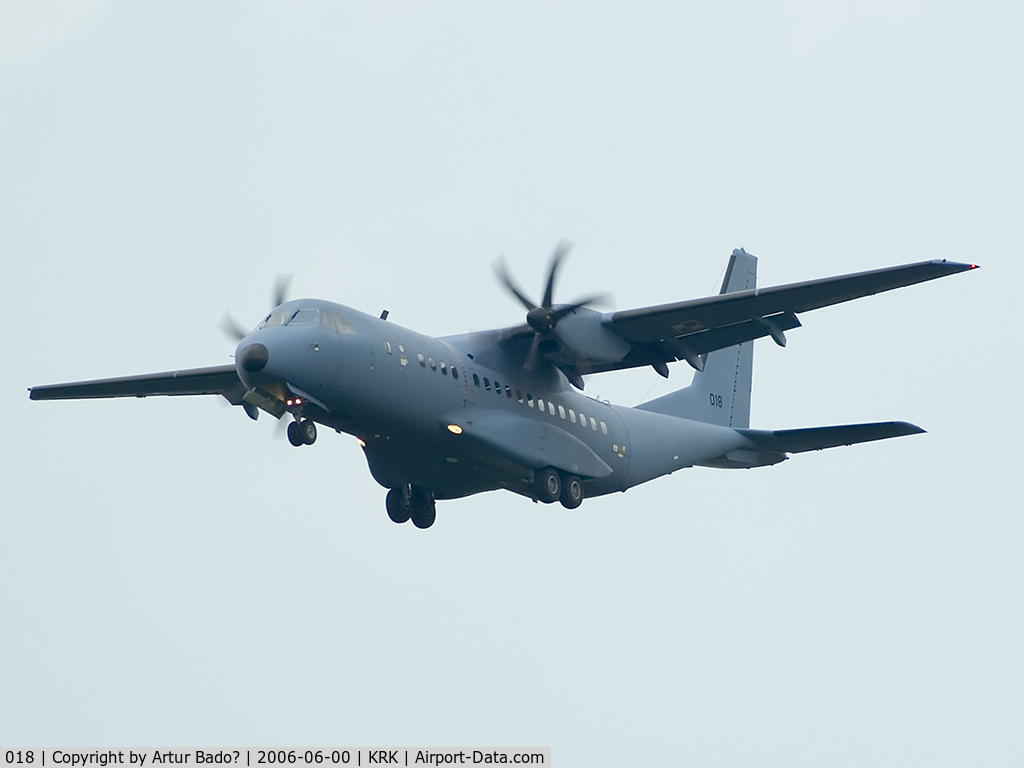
{"x":219,"y":380}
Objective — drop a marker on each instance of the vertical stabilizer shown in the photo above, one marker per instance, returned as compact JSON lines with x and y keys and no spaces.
{"x":720,"y":394}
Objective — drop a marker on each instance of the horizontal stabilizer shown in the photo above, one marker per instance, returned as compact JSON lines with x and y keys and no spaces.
{"x":819,"y":438}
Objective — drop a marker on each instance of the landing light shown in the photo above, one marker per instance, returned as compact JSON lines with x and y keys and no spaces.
{"x":296,"y":401}
{"x":455,"y":429}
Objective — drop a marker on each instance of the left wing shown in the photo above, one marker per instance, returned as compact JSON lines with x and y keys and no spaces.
{"x":687,"y":330}
{"x":585,"y":341}
{"x":219,"y":380}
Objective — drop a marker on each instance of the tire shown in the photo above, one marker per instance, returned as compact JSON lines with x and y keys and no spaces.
{"x":572,"y":492}
{"x":424,"y":516}
{"x":547,"y":485}
{"x":293,"y":434}
{"x":307,"y":431}
{"x":399,"y":509}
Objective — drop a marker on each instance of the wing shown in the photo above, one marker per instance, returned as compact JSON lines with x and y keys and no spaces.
{"x":585,"y":341}
{"x":688,"y":329}
{"x":220,"y":380}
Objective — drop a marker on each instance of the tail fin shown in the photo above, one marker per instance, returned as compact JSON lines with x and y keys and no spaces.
{"x":720,"y":393}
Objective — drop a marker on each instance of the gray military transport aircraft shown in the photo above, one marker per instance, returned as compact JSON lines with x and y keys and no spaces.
{"x":441,"y":418}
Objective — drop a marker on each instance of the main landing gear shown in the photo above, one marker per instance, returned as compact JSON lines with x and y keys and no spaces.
{"x":302,"y":432}
{"x":410,"y":502}
{"x":550,"y":485}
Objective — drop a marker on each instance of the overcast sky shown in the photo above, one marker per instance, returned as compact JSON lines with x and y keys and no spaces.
{"x":171,"y":575}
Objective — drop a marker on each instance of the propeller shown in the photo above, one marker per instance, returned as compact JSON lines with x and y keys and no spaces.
{"x":544,"y":318}
{"x":229,"y":326}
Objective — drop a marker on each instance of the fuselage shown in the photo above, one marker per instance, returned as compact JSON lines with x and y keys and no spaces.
{"x":446,"y":414}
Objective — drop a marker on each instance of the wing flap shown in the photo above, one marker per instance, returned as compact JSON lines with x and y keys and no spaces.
{"x":219,"y":380}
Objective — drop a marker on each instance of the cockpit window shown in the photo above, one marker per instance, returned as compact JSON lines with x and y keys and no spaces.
{"x":305,"y":317}
{"x":280,"y":317}
{"x":337,"y":323}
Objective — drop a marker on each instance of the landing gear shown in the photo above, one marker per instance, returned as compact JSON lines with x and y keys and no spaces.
{"x":398,"y":506}
{"x":547,"y":485}
{"x":572,"y":492}
{"x":411,"y":502}
{"x":302,"y":432}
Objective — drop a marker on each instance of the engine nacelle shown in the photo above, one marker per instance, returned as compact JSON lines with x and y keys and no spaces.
{"x":581,"y":339}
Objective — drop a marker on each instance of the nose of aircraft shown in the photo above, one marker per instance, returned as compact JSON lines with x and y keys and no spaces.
{"x":254,"y":358}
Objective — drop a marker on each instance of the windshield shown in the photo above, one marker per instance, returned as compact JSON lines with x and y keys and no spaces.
{"x":293,"y":317}
{"x":326,"y":318}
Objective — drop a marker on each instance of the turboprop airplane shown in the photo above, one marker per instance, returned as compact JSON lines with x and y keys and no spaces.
{"x":442,"y":418}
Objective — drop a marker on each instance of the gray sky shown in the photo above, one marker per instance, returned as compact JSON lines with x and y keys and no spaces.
{"x":171,"y":575}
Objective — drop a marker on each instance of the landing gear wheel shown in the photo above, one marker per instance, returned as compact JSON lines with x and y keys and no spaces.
{"x":572,"y":492}
{"x":307,"y":431}
{"x":421,"y":503}
{"x":293,"y":434}
{"x":397,"y":502}
{"x":547,"y":485}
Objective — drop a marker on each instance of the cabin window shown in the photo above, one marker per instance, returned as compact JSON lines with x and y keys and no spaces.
{"x":433,"y":363}
{"x":572,"y":415}
{"x":497,"y":388}
{"x":444,"y":369}
{"x":508,"y":392}
{"x":561,"y":412}
{"x":604,"y":428}
{"x":519,"y":395}
{"x":540,"y":403}
{"x":423,"y":360}
{"x":529,"y":399}
{"x":387,"y":346}
{"x":583,"y":421}
{"x":335,"y":322}
{"x":593,"y":423}
{"x":551,"y":408}
{"x":455,"y":372}
{"x":487,"y":384}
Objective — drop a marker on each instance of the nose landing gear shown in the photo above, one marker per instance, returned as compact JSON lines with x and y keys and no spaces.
{"x":302,"y":432}
{"x":410,"y":502}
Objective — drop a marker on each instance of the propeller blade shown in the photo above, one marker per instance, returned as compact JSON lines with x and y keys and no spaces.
{"x":561,"y":312}
{"x":281,"y":290}
{"x":561,"y":250}
{"x":230,"y":327}
{"x":506,"y":279}
{"x":530,"y":365}
{"x":281,"y":428}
